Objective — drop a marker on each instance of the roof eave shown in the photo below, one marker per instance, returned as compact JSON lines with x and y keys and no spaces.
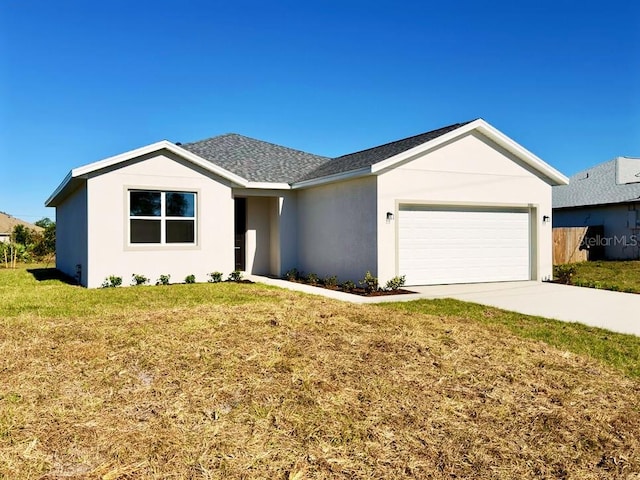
{"x":553,"y":175}
{"x":336,"y":177}
{"x":82,"y":172}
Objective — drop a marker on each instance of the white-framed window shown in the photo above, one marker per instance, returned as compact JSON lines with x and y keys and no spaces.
{"x":162,"y":217}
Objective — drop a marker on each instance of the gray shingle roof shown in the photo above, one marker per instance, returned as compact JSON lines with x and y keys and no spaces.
{"x":259,"y":161}
{"x":599,"y":185}
{"x":255,"y":160}
{"x":371,"y":156}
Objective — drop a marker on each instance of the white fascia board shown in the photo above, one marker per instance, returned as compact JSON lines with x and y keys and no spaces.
{"x":521,"y":152}
{"x":154,"y":147}
{"x":81,"y":172}
{"x":336,"y":177}
{"x":58,"y":189}
{"x":488,"y":131}
{"x":268,"y":186}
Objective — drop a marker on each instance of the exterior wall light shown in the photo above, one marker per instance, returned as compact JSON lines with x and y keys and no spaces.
{"x":546,"y":218}
{"x":389,"y":216}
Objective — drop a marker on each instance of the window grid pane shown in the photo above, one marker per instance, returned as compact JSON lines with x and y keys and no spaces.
{"x":145,"y":231}
{"x":180,"y":204}
{"x":145,"y":204}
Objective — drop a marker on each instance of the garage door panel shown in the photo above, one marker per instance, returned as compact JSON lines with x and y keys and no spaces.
{"x":463,"y":246}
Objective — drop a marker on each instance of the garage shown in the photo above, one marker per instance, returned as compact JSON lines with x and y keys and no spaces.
{"x":444,"y":245}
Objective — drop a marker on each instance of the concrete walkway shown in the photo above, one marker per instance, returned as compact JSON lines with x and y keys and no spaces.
{"x":619,"y":312}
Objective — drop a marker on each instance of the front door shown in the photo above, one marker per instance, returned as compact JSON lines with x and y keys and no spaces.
{"x":240,"y":232}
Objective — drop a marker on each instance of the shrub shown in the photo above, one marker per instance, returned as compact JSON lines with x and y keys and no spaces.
{"x":348,"y":286}
{"x":137,"y":279}
{"x":331,"y":281}
{"x":396,"y":283}
{"x":369,"y":283}
{"x":313,"y":279}
{"x":564,"y":273}
{"x":235,"y":276}
{"x":292,"y":275}
{"x":163,"y":280}
{"x":112,"y":281}
{"x":190,"y":279}
{"x":215,"y":277}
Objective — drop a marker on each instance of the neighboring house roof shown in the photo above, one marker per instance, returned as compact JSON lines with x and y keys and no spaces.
{"x":7,"y":224}
{"x":252,"y":163}
{"x":255,"y":160}
{"x":615,"y":181}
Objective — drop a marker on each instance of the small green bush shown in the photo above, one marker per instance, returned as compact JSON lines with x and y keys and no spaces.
{"x":190,"y":279}
{"x":112,"y":281}
{"x":348,"y":286}
{"x":215,"y":277}
{"x":313,"y":279}
{"x":396,"y":283}
{"x":163,"y":280}
{"x":564,"y":273}
{"x":292,"y":275}
{"x":369,"y":283}
{"x":137,"y":279}
{"x":235,"y":276}
{"x":331,"y":281}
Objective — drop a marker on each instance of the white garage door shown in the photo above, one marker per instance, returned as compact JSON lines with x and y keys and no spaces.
{"x":441,"y":246}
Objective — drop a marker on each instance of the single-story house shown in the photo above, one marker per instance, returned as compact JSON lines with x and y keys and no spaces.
{"x":8,"y":223}
{"x":459,"y":204}
{"x":606,"y":196}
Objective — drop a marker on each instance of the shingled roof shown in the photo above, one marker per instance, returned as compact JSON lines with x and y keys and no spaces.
{"x":615,"y":181}
{"x":259,"y":161}
{"x":255,"y":160}
{"x":371,"y":156}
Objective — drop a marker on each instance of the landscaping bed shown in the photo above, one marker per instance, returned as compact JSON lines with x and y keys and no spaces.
{"x":369,"y":286}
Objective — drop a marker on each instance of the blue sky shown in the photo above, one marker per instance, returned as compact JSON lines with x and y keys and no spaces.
{"x":81,"y":81}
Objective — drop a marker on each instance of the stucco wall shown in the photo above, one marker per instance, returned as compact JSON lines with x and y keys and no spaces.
{"x":71,"y":235}
{"x":621,"y":227}
{"x":470,"y":171}
{"x":280,"y":208}
{"x":258,"y":239}
{"x":109,"y":252}
{"x":337,"y":229}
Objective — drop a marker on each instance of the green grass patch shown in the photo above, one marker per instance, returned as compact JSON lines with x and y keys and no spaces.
{"x":40,"y":292}
{"x":617,"y":350}
{"x":608,"y":275}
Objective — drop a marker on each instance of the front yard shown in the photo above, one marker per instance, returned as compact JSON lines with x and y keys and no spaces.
{"x":248,"y":381}
{"x":609,"y":275}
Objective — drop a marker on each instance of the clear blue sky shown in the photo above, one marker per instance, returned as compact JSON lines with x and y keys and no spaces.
{"x":84,"y":80}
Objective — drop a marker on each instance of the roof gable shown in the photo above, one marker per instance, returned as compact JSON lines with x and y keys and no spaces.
{"x":606,"y":183}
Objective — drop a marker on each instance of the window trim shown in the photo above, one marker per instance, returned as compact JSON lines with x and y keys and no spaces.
{"x":162,"y":218}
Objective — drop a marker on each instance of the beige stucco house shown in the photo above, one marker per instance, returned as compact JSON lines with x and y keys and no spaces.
{"x":460,"y":204}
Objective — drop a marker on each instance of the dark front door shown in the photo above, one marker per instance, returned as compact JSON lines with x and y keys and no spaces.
{"x":240,"y":232}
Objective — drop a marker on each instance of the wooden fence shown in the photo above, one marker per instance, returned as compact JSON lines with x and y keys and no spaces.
{"x":577,"y":244}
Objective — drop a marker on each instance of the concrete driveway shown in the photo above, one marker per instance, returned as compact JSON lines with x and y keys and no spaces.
{"x":615,"y":311}
{"x":619,"y":312}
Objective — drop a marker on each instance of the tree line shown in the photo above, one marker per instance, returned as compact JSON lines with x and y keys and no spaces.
{"x":29,"y":245}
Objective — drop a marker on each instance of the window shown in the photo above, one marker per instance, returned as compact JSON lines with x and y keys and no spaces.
{"x":162,"y":217}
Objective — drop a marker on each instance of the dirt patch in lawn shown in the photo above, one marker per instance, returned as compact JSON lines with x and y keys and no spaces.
{"x":245,"y":381}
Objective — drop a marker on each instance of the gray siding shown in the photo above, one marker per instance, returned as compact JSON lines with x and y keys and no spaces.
{"x":621,"y":227}
{"x":71,"y":234}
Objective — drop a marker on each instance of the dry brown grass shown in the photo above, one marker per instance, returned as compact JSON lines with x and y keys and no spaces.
{"x":289,"y":386}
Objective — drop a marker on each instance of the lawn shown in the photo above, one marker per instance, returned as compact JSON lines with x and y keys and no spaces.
{"x":247,"y":381}
{"x":610,"y":275}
